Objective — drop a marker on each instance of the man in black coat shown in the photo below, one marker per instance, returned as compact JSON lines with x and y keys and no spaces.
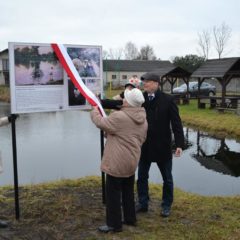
{"x":162,"y":117}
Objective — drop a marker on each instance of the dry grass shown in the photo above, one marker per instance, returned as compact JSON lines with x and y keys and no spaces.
{"x":72,"y":209}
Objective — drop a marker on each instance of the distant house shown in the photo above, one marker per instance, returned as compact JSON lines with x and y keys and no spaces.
{"x":4,"y":67}
{"x":117,"y":72}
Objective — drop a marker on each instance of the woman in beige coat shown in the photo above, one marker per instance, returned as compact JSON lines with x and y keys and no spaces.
{"x":126,"y":131}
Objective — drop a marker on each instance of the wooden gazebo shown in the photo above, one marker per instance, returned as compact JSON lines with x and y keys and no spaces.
{"x":171,"y":74}
{"x":223,"y":70}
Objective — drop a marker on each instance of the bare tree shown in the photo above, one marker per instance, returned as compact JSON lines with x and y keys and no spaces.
{"x":105,"y":54}
{"x":130,"y":51}
{"x":116,"y":53}
{"x":221,"y":34}
{"x":204,"y":41}
{"x":146,"y":53}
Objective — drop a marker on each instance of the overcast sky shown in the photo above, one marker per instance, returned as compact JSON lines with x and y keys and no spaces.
{"x":169,"y":26}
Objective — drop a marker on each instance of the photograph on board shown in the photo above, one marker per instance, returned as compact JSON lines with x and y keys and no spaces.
{"x":94,"y":85}
{"x":36,"y":65}
{"x":75,"y":98}
{"x":86,"y":60}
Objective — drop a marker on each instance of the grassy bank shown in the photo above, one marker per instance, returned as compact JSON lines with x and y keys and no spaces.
{"x":73,"y":209}
{"x":222,"y":124}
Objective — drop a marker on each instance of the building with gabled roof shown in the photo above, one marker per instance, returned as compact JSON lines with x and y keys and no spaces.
{"x":117,"y":72}
{"x":4,"y":67}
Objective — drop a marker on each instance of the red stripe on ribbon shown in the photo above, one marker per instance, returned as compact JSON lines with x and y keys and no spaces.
{"x":71,"y":75}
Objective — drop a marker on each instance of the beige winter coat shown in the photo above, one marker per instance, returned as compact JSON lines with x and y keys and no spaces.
{"x":126,"y":131}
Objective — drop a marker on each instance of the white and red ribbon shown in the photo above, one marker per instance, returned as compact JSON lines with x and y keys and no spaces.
{"x":70,"y":69}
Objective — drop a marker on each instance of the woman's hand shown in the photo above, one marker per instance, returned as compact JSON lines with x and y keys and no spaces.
{"x":178,"y":152}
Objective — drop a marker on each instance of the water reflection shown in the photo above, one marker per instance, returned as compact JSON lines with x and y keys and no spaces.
{"x":223,"y":159}
{"x":209,"y":165}
{"x":66,"y":144}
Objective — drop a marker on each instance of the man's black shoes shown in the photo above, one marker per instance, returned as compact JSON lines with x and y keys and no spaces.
{"x":106,"y":229}
{"x":165,"y":211}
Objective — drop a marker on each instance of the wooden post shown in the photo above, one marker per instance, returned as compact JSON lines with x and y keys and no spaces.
{"x":223,"y":92}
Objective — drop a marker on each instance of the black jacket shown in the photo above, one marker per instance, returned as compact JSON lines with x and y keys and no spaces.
{"x":162,"y":116}
{"x":111,"y":104}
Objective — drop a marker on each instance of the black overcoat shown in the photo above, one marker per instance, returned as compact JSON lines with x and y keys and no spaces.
{"x":163,"y":119}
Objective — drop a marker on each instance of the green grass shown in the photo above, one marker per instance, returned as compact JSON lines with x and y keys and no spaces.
{"x":222,"y":124}
{"x":73,"y":209}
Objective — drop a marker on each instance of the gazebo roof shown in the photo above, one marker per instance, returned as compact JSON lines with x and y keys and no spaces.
{"x":172,"y":71}
{"x":218,"y":68}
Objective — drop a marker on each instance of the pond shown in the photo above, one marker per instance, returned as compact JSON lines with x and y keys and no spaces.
{"x":59,"y":145}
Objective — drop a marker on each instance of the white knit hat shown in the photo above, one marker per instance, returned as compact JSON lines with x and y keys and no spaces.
{"x":134,"y":97}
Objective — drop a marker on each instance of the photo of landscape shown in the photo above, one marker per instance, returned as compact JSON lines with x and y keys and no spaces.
{"x":37,"y":65}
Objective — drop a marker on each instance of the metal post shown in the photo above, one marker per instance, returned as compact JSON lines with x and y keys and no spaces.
{"x":15,"y":169}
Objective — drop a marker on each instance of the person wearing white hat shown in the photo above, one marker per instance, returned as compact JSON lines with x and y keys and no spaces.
{"x":126,"y":131}
{"x":134,"y":97}
{"x":132,"y":83}
{"x":117,"y":101}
